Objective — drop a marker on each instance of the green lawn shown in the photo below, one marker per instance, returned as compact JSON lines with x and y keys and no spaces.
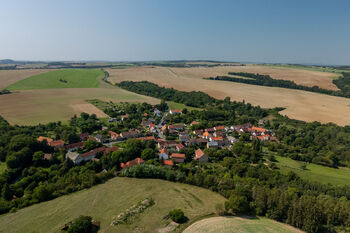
{"x":315,"y":172}
{"x":238,"y":225}
{"x":68,"y":78}
{"x":105,"y":201}
{"x":174,"y":105}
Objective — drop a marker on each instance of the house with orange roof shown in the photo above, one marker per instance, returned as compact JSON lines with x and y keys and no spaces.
{"x":168,"y":163}
{"x":41,"y":138}
{"x":163,"y":154}
{"x":123,"y":117}
{"x":200,"y":156}
{"x":257,"y":129}
{"x":114,"y":135}
{"x":178,"y":158}
{"x":132,"y":163}
{"x":206,"y":134}
{"x":148,"y":138}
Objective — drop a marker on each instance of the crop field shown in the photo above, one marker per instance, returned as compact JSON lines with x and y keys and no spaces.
{"x":29,"y":107}
{"x":70,"y":78}
{"x":301,"y":105}
{"x":314,"y":172}
{"x":8,"y":77}
{"x":44,"y":98}
{"x":105,"y":201}
{"x":239,"y":225}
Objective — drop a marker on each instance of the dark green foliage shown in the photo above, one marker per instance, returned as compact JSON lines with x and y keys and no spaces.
{"x":82,"y":224}
{"x":343,"y":83}
{"x":178,"y":216}
{"x":193,"y":99}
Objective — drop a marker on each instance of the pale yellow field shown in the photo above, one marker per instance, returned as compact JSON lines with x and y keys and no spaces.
{"x":42,"y":106}
{"x":299,"y":105}
{"x":8,"y":77}
{"x":239,"y":225}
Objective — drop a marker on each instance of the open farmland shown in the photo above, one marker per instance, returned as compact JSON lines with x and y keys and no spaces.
{"x":69,"y":78}
{"x":314,"y":172}
{"x":30,"y":107}
{"x":239,"y":225}
{"x":105,"y":201}
{"x":8,"y":77}
{"x":299,"y":104}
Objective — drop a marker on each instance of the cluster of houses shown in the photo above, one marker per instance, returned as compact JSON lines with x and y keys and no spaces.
{"x":169,"y":150}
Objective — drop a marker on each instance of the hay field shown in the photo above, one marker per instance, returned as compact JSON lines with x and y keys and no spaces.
{"x":239,"y":225}
{"x":8,"y":77}
{"x":67,"y":78}
{"x":105,"y":201}
{"x":29,"y":107}
{"x":301,"y":105}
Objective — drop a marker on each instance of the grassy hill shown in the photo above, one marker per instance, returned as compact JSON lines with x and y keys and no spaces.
{"x":239,"y":225}
{"x":70,"y":78}
{"x":105,"y":201}
{"x":315,"y":172}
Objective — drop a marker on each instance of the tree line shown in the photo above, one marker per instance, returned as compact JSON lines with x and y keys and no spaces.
{"x":343,"y":83}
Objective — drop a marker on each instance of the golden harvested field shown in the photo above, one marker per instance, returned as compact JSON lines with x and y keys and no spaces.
{"x":299,"y":105}
{"x":8,"y":77}
{"x":30,"y":107}
{"x":239,"y":225}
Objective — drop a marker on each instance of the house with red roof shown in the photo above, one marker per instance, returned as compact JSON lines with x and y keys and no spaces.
{"x":114,"y":135}
{"x":219,"y":128}
{"x":175,"y":111}
{"x":41,"y":139}
{"x":58,"y":144}
{"x":74,"y":146}
{"x":178,"y":158}
{"x":179,"y":147}
{"x":200,"y":156}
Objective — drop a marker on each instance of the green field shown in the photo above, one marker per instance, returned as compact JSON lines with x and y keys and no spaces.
{"x":315,"y":172}
{"x":68,"y":78}
{"x":105,"y":201}
{"x":239,"y":225}
{"x":174,"y":105}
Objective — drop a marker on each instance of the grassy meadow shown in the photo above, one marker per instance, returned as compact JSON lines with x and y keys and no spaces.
{"x":314,"y":172}
{"x":105,"y":201}
{"x":174,"y":105}
{"x":239,"y":225}
{"x":68,"y":78}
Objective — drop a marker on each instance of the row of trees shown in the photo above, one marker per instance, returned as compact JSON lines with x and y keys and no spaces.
{"x":343,"y":83}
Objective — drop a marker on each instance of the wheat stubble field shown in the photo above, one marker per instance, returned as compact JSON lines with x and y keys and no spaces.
{"x":299,"y":105}
{"x":8,"y":77}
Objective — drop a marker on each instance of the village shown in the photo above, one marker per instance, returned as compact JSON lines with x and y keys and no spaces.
{"x":170,"y":139}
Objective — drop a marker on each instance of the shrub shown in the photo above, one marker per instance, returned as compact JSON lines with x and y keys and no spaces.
{"x":178,"y":216}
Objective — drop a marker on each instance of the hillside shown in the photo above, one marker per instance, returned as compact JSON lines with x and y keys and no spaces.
{"x":105,"y":201}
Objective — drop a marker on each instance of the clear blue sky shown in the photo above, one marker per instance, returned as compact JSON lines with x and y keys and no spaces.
{"x":291,"y":31}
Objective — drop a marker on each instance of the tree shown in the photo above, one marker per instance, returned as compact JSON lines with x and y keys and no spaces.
{"x":147,"y":154}
{"x":6,"y":192}
{"x":38,"y":158}
{"x":83,"y":224}
{"x":178,"y":216}
{"x":237,"y":204}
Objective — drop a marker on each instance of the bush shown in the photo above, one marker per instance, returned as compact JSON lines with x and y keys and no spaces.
{"x":83,"y":224}
{"x":178,"y":216}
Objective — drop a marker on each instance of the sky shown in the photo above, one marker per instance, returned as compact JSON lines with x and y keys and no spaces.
{"x":271,"y":31}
